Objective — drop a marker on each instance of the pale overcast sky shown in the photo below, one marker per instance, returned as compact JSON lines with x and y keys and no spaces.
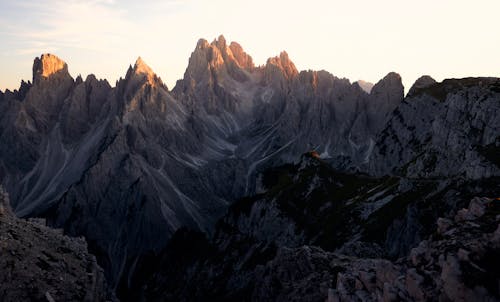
{"x":362,"y":39}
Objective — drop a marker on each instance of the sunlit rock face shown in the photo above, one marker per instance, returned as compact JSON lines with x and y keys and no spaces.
{"x":280,"y":66}
{"x":48,"y":65}
{"x":129,"y":165}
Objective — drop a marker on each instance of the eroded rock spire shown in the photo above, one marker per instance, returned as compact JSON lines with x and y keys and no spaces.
{"x":48,"y":65}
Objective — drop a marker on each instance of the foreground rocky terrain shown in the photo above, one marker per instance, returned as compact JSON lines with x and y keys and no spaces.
{"x":264,"y":251}
{"x":457,"y":263}
{"x":217,"y":164}
{"x":38,"y":263}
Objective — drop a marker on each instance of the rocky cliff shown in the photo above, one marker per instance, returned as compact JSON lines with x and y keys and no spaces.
{"x":443,"y":130}
{"x":41,"y":264}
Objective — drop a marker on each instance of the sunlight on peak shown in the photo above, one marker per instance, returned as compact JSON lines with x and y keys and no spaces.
{"x":357,"y":40}
{"x":141,"y":67}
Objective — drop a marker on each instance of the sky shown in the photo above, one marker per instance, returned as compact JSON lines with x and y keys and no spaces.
{"x":362,"y":39}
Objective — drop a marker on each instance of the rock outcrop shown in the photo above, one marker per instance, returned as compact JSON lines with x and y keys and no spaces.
{"x":387,"y":95}
{"x":47,"y":66}
{"x":421,"y":83}
{"x":443,"y":130}
{"x":39,"y":263}
{"x":280,"y":66}
{"x":142,"y":71}
{"x":455,"y":264}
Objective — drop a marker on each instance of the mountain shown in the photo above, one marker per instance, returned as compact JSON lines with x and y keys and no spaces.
{"x":128,"y":166}
{"x":125,"y":166}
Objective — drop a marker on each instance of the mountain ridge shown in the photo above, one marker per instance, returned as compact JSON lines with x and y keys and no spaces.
{"x":49,"y":63}
{"x":127,"y":166}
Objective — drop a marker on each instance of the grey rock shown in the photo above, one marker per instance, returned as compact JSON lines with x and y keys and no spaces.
{"x":477,"y":208}
{"x":39,"y":263}
{"x":444,"y":130}
{"x":420,"y":84}
{"x":386,"y":96}
{"x":439,"y":274}
{"x":443,"y":225}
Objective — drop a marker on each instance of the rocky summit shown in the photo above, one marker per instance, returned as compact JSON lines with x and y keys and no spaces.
{"x":262,"y":183}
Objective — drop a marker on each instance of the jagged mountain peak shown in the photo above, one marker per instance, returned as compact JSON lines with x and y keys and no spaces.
{"x":421,"y":83}
{"x":141,"y":71}
{"x":386,"y":95}
{"x":79,"y":79}
{"x":220,"y":53}
{"x":91,"y":77}
{"x":392,"y":81}
{"x":220,"y":42}
{"x":23,"y":89}
{"x":216,"y":59}
{"x":232,"y":54}
{"x":392,"y":76}
{"x":242,"y":58}
{"x":47,"y":65}
{"x":140,"y":67}
{"x":210,"y":53}
{"x":205,"y":55}
{"x":283,"y":63}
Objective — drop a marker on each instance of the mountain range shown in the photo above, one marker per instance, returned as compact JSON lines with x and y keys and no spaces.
{"x":245,"y":160}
